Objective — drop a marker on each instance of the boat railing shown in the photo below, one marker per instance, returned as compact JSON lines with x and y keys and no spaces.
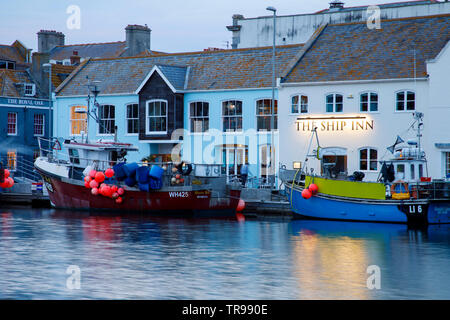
{"x":435,"y":189}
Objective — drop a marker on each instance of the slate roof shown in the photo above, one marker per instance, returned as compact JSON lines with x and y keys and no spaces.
{"x":11,"y":80}
{"x":60,"y":73}
{"x":352,"y":51}
{"x":10,"y":53}
{"x":208,"y":70}
{"x":383,"y":5}
{"x":91,"y":50}
{"x":175,"y":75}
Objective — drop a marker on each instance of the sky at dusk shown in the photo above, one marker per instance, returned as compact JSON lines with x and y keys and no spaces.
{"x":177,"y":25}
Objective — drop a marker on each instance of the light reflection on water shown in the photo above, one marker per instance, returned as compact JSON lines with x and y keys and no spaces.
{"x":137,"y":257}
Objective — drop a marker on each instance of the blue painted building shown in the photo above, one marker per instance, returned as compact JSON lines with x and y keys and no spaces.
{"x":207,"y":107}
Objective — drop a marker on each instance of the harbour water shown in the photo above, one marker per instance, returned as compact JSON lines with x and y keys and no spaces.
{"x":139,"y":257}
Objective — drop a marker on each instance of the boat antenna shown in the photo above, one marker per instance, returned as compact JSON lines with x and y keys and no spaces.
{"x":316,"y":155}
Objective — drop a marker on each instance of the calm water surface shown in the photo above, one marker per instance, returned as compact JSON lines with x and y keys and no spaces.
{"x":137,"y":257}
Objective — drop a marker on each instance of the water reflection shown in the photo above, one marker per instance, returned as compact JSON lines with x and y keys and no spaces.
{"x":143,"y":257}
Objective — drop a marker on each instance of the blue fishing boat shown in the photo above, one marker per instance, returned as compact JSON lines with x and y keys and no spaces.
{"x":402,"y":194}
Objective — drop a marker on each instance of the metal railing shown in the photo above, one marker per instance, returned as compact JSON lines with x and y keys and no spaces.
{"x":22,"y":168}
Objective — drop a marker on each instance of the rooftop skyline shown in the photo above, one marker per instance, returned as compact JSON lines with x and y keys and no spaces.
{"x":176,"y":25}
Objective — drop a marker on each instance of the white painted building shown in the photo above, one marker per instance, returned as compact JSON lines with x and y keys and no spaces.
{"x":360,"y":88}
{"x":297,"y":28}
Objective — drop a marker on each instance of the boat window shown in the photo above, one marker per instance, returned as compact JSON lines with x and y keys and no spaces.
{"x":74,"y":157}
{"x":413,"y":175}
{"x":420,"y":170}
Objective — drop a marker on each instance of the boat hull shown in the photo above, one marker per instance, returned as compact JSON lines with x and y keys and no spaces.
{"x":67,"y":195}
{"x":387,"y":211}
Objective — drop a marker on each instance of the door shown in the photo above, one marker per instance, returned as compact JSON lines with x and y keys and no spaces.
{"x":233,"y":158}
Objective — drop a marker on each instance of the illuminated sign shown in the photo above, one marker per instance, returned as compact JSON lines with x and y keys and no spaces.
{"x":357,"y":123}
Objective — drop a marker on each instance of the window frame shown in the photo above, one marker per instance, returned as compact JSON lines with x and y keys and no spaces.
{"x":41,"y":124}
{"x":10,"y":159}
{"x":405,"y":100}
{"x":203,"y":118}
{"x":368,"y":159}
{"x":127,"y":119}
{"x":237,"y":116}
{"x":369,"y":102}
{"x":299,"y":104}
{"x":147,"y":103}
{"x":99,"y":127}
{"x":10,"y":123}
{"x":78,"y":120}
{"x":334,"y":103}
{"x":31,"y":86}
{"x":264,"y":115}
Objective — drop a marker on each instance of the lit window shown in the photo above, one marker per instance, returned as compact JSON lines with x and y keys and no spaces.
{"x":11,"y":160}
{"x":368,"y":159}
{"x":264,"y":114}
{"x":38,"y":124}
{"x":106,"y":119}
{"x":232,"y":115}
{"x":334,"y":103}
{"x":156,"y":117}
{"x":132,"y":118}
{"x":299,"y":104}
{"x":406,"y":101}
{"x":199,"y":113}
{"x":78,"y":120}
{"x":369,"y":102}
{"x":12,"y":123}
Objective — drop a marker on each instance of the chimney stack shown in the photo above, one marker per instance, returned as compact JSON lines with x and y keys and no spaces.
{"x":336,"y":5}
{"x":138,"y":39}
{"x":75,"y":58}
{"x":48,"y":39}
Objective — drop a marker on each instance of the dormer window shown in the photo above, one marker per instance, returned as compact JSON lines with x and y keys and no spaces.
{"x":7,"y":64}
{"x":29,"y":89}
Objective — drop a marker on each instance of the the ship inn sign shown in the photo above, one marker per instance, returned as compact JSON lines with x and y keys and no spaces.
{"x":356,"y":123}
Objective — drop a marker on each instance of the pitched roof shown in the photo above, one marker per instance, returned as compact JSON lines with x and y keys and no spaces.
{"x":60,"y":73}
{"x":209,"y":70}
{"x":10,"y":53}
{"x":11,"y":82}
{"x":175,"y":75}
{"x":352,"y":51}
{"x":91,"y":50}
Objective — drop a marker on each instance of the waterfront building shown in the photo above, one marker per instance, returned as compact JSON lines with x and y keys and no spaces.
{"x":210,"y":106}
{"x":298,"y":28}
{"x":24,"y":107}
{"x":360,"y":88}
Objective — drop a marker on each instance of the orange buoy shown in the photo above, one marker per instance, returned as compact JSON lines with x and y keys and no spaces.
{"x":306,"y":194}
{"x":313,"y":188}
{"x":241,"y":205}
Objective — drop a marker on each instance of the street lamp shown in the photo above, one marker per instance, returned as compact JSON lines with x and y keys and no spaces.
{"x":272,"y":122}
{"x":50,"y":129}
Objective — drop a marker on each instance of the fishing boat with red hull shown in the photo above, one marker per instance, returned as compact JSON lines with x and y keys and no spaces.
{"x":96,"y":176}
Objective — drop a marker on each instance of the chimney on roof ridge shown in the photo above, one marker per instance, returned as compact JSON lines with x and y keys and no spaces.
{"x":75,"y":58}
{"x":48,"y":39}
{"x":336,"y":5}
{"x":137,"y":39}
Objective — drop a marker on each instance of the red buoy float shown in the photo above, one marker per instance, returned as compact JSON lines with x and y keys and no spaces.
{"x":6,"y":174}
{"x":241,"y":205}
{"x":94,"y":191}
{"x":313,"y":188}
{"x":306,"y":194}
{"x":120,"y":191}
{"x":92,"y":173}
{"x":119,"y":200}
{"x":109,"y":173}
{"x":93,"y":184}
{"x":99,"y":177}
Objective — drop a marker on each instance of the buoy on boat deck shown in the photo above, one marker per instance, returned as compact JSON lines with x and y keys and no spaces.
{"x":109,"y":173}
{"x":92,"y":173}
{"x":87,"y":185}
{"x":6,"y":174}
{"x":120,"y":191}
{"x":94,"y":191}
{"x":93,"y":184}
{"x":119,"y":200}
{"x":241,"y":205}
{"x":99,"y":177}
{"x":306,"y":194}
{"x":313,"y":188}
